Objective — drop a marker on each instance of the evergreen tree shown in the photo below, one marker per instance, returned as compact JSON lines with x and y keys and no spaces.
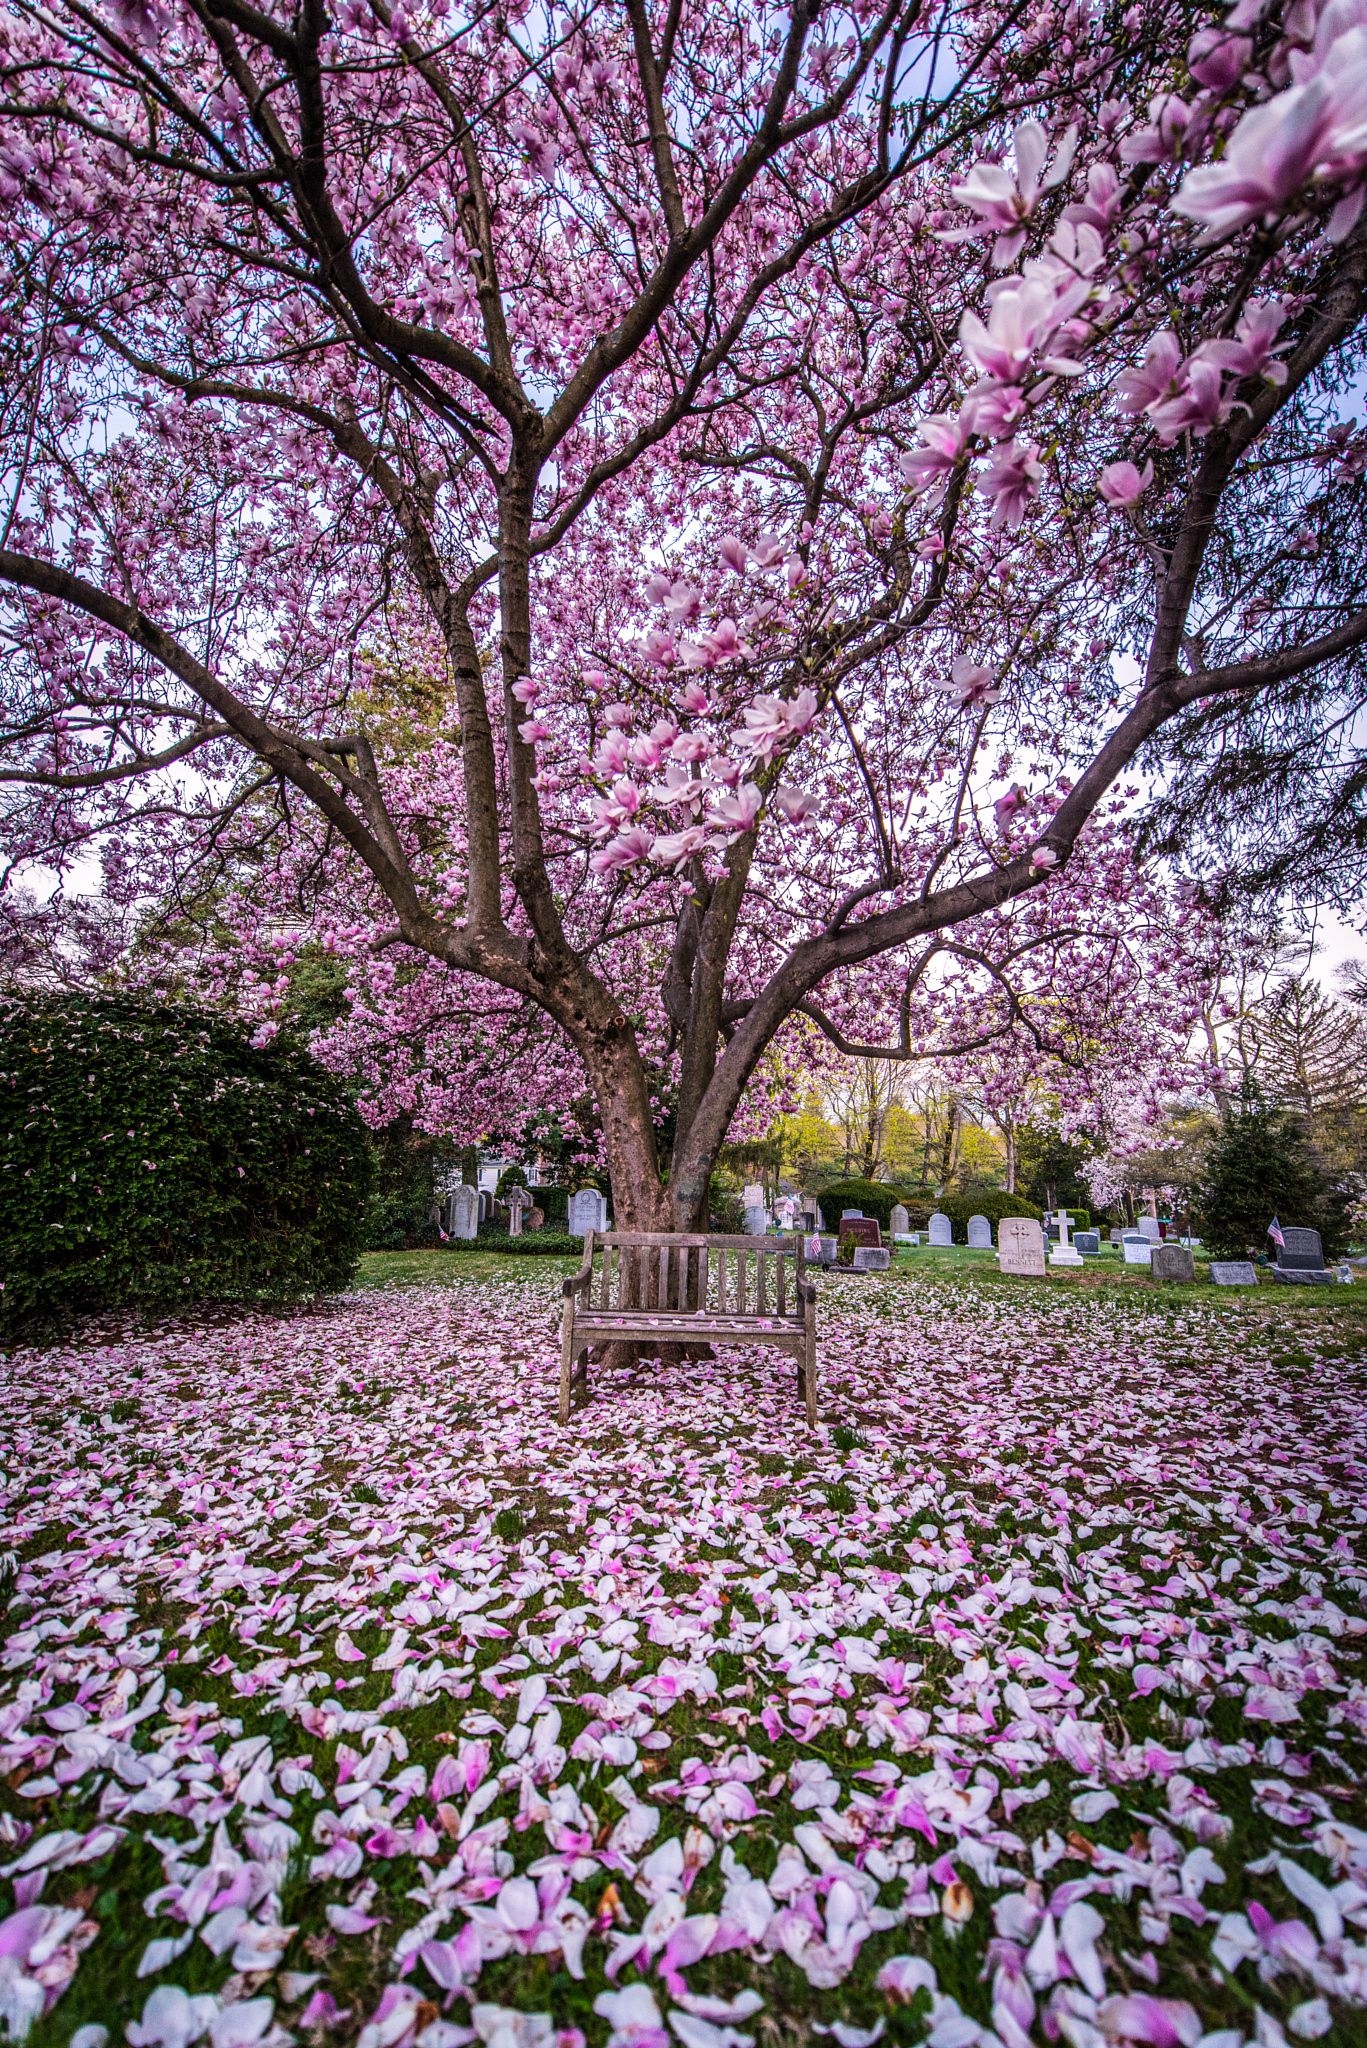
{"x":1262,"y":1164}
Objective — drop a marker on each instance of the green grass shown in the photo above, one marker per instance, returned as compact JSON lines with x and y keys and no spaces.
{"x":442,"y":1268}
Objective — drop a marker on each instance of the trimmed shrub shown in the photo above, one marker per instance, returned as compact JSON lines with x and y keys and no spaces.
{"x":151,"y":1157}
{"x":879,"y":1198}
{"x":875,"y":1197}
{"x":993,"y":1203}
{"x":532,"y":1243}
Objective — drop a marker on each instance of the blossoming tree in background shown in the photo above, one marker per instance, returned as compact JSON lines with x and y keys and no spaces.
{"x":639,"y":511}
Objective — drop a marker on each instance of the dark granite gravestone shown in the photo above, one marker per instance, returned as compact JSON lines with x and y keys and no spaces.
{"x":863,"y":1229}
{"x":1233,"y":1273}
{"x":1300,"y":1260}
{"x":1171,"y":1262}
{"x":1088,"y":1242}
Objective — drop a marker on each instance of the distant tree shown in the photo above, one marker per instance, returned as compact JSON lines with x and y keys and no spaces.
{"x":1312,"y":1059}
{"x":1049,"y":1168}
{"x":1260,"y":1165}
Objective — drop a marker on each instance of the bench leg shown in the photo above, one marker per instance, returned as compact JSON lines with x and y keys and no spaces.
{"x":566,"y":1359}
{"x":808,"y":1370}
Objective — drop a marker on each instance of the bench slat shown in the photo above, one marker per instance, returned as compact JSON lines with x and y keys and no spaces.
{"x":650,"y":1291}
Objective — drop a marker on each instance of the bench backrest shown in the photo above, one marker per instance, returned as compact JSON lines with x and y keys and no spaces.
{"x":686,"y":1271}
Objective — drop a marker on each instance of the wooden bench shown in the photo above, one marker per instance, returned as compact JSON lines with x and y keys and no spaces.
{"x":672,"y":1287}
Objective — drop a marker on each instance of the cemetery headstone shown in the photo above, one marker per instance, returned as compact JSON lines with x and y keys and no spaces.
{"x":752,"y":1196}
{"x":941,"y":1229}
{"x":1137,"y":1249}
{"x":536,"y":1219}
{"x":979,"y":1234}
{"x":1171,"y":1262}
{"x":1088,"y":1242}
{"x":588,"y":1210}
{"x":871,"y":1258}
{"x":822,"y":1249}
{"x":1233,"y":1273}
{"x":1301,"y":1258}
{"x":863,"y":1229}
{"x":519,"y":1202}
{"x":756,"y":1222}
{"x":1064,"y":1253}
{"x":1150,"y":1227}
{"x":899,"y":1223}
{"x":1020,"y":1246}
{"x":486,"y":1205}
{"x":1303,"y":1251}
{"x":847,"y":1214}
{"x":465,"y":1213}
{"x":1117,"y":1237}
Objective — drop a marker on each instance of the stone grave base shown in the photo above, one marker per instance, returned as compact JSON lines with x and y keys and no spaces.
{"x":1289,"y":1277}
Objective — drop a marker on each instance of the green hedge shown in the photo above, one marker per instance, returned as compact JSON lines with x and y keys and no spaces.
{"x":150,"y":1156}
{"x":993,"y":1203}
{"x":875,"y":1197}
{"x":879,"y":1198}
{"x":532,"y":1243}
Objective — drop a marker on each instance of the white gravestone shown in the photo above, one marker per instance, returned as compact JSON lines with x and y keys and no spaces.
{"x":756,"y":1222}
{"x":979,"y":1234}
{"x":822,"y":1250}
{"x":1020,"y":1246}
{"x":1137,"y":1249}
{"x":899,"y":1223}
{"x":1150,"y":1228}
{"x":588,"y":1210}
{"x":464,"y":1213}
{"x":1233,"y":1273}
{"x":752,"y":1196}
{"x":941,"y":1229}
{"x":1063,"y":1253}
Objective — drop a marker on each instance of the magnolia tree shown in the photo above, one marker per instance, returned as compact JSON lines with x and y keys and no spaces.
{"x":671,"y":518}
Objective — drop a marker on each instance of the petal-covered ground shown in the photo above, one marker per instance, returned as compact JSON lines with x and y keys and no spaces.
{"x":345,"y":1698}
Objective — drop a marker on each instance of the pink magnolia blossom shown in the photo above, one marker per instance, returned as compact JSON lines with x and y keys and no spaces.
{"x":1249,"y":353}
{"x":622,"y":852}
{"x":969,"y":684}
{"x":794,"y":805}
{"x":1317,"y":129}
{"x":1023,"y":316}
{"x":1004,"y":203}
{"x":1011,"y":479}
{"x":944,"y":437}
{"x":1121,"y":484}
{"x":1217,"y":58}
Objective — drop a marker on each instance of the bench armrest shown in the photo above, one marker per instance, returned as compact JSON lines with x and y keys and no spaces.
{"x":807,"y":1290}
{"x":578,"y":1283}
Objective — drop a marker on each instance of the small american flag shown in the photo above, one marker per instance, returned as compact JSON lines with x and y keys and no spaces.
{"x":1274,"y":1231}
